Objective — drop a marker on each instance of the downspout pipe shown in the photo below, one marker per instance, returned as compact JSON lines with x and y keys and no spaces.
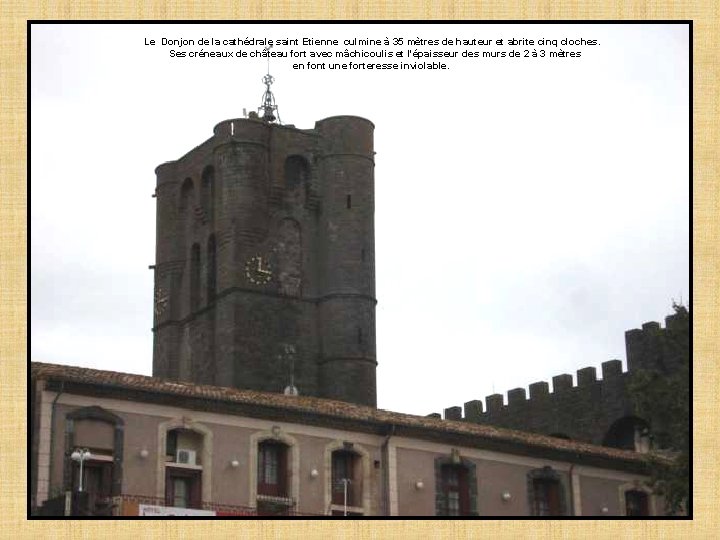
{"x":573,"y":504}
{"x":52,"y":434}
{"x":386,"y":469}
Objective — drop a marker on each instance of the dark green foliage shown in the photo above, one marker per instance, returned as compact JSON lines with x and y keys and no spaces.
{"x":662,"y":397}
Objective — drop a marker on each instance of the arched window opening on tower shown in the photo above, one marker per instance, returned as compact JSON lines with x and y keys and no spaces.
{"x":195,"y":277}
{"x":186,"y":195}
{"x":208,"y":194}
{"x":297,"y":171}
{"x":184,"y":222}
{"x":211,"y":269}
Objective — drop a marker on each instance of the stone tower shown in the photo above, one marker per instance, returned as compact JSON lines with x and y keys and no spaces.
{"x":265,"y":259}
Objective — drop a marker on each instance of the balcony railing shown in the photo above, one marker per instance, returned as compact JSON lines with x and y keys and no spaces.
{"x":129,"y":505}
{"x":126,"y":505}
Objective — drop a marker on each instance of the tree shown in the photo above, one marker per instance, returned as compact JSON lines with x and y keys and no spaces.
{"x":662,"y":397}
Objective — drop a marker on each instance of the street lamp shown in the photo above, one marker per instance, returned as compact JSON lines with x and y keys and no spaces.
{"x":80,"y":455}
{"x":345,"y":482}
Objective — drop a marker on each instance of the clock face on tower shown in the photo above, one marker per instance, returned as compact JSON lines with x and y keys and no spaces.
{"x":258,"y":270}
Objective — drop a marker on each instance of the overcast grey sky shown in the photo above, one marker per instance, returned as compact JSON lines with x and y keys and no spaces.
{"x":528,"y":211}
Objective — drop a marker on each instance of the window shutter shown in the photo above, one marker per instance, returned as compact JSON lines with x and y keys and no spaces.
{"x":106,"y":480}
{"x":464,"y":491}
{"x":282,"y":470}
{"x":169,"y":492}
{"x":196,"y":491}
{"x":553,"y":495}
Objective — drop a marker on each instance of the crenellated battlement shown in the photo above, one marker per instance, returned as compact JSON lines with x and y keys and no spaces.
{"x":539,"y":392}
{"x":587,"y":409}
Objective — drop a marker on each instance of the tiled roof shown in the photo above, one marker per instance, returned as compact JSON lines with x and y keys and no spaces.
{"x":325,"y":407}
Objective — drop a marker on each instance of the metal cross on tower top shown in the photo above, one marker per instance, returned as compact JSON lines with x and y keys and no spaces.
{"x":268,"y":109}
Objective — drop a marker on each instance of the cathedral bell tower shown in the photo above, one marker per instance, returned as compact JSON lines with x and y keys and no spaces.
{"x":265,"y":258}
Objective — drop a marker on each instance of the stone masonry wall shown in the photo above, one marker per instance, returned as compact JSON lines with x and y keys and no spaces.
{"x":265,"y":260}
{"x":586,"y":411}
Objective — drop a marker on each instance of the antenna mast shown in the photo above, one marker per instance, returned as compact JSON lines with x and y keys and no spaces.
{"x":291,"y":389}
{"x":268,"y":108}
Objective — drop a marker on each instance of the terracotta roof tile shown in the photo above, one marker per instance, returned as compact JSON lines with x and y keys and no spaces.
{"x":314,"y":405}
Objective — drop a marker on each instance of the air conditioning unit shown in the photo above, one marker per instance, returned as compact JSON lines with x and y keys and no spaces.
{"x":186,"y":457}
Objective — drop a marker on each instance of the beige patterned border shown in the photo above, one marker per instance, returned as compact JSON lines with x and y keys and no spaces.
{"x":13,"y":264}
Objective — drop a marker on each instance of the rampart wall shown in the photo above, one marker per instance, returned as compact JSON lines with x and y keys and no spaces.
{"x":593,"y":407}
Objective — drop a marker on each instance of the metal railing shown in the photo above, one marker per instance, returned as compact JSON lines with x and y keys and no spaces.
{"x":128,"y":504}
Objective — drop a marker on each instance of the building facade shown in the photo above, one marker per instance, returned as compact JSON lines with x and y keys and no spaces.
{"x":265,"y":280}
{"x":163,"y":448}
{"x":265,"y":260}
{"x":263,"y":395}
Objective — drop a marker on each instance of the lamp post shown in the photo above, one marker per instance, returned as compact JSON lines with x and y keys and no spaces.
{"x":345,"y":482}
{"x":80,"y":455}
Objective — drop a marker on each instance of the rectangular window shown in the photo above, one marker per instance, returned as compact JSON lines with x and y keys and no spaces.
{"x":455,"y":490}
{"x":546,"y":497}
{"x":272,"y":469}
{"x":97,"y":484}
{"x":636,"y":503}
{"x":181,"y":492}
{"x":183,"y":487}
{"x":349,"y":202}
{"x":171,"y":443}
{"x":345,"y":481}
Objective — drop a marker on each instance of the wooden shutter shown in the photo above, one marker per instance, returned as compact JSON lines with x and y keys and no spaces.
{"x":553,"y":496}
{"x":464,"y":491}
{"x":169,"y":490}
{"x":282,"y":456}
{"x":196,"y":490}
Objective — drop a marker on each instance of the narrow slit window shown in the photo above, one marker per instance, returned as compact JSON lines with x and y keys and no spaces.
{"x":349,"y":202}
{"x":195,"y":277}
{"x":211,"y":269}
